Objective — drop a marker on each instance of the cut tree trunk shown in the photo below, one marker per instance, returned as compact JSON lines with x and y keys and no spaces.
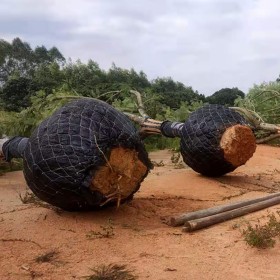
{"x":215,"y":140}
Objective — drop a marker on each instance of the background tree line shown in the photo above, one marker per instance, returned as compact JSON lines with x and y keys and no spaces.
{"x":34,"y":82}
{"x":24,"y":71}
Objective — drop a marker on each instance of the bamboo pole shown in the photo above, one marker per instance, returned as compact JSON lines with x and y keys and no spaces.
{"x":181,"y":219}
{"x":228,"y":215}
{"x":268,"y":138}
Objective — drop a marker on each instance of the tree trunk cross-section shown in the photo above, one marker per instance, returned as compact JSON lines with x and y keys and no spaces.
{"x":239,"y":144}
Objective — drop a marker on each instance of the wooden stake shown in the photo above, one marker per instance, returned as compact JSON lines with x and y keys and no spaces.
{"x":228,"y":215}
{"x":181,"y":219}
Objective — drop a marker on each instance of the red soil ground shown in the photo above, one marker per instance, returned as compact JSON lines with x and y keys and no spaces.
{"x":141,"y":240}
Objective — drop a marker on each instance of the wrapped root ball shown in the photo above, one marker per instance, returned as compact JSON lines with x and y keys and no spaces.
{"x":216,"y":140}
{"x":86,"y":155}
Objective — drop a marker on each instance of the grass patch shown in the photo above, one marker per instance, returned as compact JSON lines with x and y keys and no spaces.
{"x":106,"y":231}
{"x":177,"y":161}
{"x":263,"y":236}
{"x":30,"y":198}
{"x":47,"y":257}
{"x":112,"y":272}
{"x":14,"y":165}
{"x":157,"y":142}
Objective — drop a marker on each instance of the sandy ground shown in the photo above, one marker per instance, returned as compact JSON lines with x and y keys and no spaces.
{"x":141,"y":240}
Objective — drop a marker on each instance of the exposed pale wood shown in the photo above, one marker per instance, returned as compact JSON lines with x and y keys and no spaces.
{"x":140,"y":105}
{"x":238,"y":143}
{"x":138,"y":119}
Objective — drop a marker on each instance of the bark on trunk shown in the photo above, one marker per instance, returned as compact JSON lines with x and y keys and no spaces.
{"x":181,"y":219}
{"x":228,"y":215}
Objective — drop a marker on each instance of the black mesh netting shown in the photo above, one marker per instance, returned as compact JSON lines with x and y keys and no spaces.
{"x":62,"y":155}
{"x":171,"y":129}
{"x":200,"y":139}
{"x":14,"y":147}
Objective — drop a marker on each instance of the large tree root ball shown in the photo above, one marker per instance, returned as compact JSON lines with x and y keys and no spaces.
{"x":216,"y":140}
{"x":85,"y":156}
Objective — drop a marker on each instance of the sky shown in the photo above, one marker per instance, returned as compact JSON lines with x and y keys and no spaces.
{"x":206,"y":44}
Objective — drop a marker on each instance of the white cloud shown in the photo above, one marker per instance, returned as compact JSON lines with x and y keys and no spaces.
{"x":208,"y":44}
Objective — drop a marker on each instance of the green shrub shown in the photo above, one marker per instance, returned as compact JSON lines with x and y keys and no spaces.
{"x":263,"y":236}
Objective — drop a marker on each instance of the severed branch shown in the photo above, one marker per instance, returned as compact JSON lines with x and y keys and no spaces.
{"x":257,"y":123}
{"x":252,"y":117}
{"x":148,"y":125}
{"x":255,"y":120}
{"x":268,"y":138}
{"x":140,"y":105}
